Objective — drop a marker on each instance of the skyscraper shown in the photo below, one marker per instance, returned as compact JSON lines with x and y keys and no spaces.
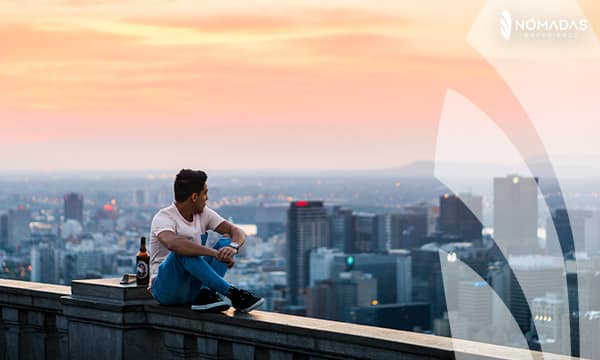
{"x":563,"y":227}
{"x":340,"y":226}
{"x":73,"y":207}
{"x":353,"y":289}
{"x":17,"y":226}
{"x":321,"y":264}
{"x":515,"y":214}
{"x":140,"y":198}
{"x":459,"y":215}
{"x":393,"y":272}
{"x":3,"y":230}
{"x":307,"y":229}
{"x":44,"y":264}
{"x":539,"y":275}
{"x":320,"y":300}
{"x":474,"y":308}
{"x":551,"y":320}
{"x":408,"y":228}
{"x":366,"y":233}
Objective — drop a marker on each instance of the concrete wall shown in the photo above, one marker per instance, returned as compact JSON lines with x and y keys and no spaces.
{"x":99,"y":319}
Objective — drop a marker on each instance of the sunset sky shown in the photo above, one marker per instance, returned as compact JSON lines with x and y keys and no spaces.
{"x":131,"y":85}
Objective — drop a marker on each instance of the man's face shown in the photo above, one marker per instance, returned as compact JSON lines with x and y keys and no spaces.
{"x":200,"y":199}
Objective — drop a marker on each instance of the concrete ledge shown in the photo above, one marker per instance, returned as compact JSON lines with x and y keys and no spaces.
{"x":109,"y":289}
{"x":99,"y":319}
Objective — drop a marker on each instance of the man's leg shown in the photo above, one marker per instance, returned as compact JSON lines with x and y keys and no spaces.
{"x":242,"y":300}
{"x":180,"y":278}
{"x":173,"y":283}
{"x":219,"y":267}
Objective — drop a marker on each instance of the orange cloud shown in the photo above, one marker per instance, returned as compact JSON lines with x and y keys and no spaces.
{"x":292,"y":20}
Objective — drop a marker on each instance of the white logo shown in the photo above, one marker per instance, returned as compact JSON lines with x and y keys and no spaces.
{"x":543,"y":28}
{"x":505,"y":25}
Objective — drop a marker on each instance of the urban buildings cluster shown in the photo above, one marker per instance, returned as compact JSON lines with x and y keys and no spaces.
{"x":428,"y":267}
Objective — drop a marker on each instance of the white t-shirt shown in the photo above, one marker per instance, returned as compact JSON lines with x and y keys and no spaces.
{"x":169,"y":219}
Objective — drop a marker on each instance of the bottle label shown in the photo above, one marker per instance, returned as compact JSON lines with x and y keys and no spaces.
{"x":142,"y":270}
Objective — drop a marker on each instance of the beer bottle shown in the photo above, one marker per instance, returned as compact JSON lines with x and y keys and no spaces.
{"x":142,"y":260}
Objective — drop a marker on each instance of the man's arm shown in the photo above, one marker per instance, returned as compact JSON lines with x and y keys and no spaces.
{"x":237,"y":235}
{"x":182,"y":245}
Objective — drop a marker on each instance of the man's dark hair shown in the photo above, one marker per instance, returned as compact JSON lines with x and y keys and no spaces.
{"x":188,"y":182}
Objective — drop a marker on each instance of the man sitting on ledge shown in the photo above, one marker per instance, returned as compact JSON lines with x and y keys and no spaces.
{"x":184,"y":270}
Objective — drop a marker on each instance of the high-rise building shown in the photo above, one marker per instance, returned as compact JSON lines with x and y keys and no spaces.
{"x":551,"y":319}
{"x":538,"y":276}
{"x":321,"y":301}
{"x":409,"y":227}
{"x":321,"y":264}
{"x":459,"y":215}
{"x":73,"y":207}
{"x":563,"y":227}
{"x":592,"y":234}
{"x":393,"y":272}
{"x":366,"y":233}
{"x":18,"y":226}
{"x":3,"y":230}
{"x":44,"y":264}
{"x":515,"y":214}
{"x":474,"y":308}
{"x":140,"y":198}
{"x":307,"y":229}
{"x":353,"y":289}
{"x":590,"y":328}
{"x":340,"y":227}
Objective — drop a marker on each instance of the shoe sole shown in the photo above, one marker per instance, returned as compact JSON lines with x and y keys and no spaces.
{"x":216,"y":306}
{"x":253,"y":306}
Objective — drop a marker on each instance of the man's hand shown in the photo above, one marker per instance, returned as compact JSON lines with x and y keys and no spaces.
{"x":226,"y":254}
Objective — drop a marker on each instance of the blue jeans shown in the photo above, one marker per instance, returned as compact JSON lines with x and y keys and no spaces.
{"x":180,"y":278}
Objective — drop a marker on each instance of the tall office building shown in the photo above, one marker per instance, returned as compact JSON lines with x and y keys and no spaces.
{"x":474,"y":308}
{"x":340,"y":227}
{"x":320,"y":300}
{"x":353,"y":289}
{"x":552,"y":319}
{"x":18,"y":226}
{"x":515,"y":214}
{"x":44,"y":264}
{"x":563,"y":227}
{"x":3,"y":230}
{"x":393,"y":272}
{"x":140,"y":198}
{"x":321,"y":264}
{"x":537,"y":276}
{"x":334,"y":299}
{"x":592,"y":234}
{"x":73,"y":207}
{"x":307,"y":229}
{"x":409,"y":227}
{"x":459,"y":215}
{"x":366,"y":233}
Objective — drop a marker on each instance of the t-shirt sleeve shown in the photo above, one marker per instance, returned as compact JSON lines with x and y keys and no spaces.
{"x":211,"y":219}
{"x":162,"y":222}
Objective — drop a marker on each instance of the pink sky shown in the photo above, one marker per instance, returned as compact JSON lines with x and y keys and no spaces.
{"x":107,"y":85}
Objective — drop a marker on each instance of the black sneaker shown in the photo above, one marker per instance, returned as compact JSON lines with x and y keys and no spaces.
{"x":209,"y":300}
{"x":243,"y":300}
